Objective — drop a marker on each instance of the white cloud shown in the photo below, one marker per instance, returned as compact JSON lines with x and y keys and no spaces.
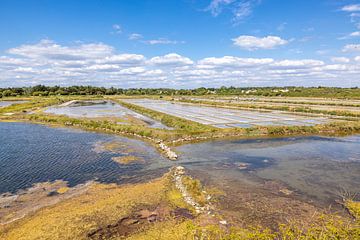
{"x":351,"y":8}
{"x":230,"y":61}
{"x":132,"y":71}
{"x":50,"y":63}
{"x":124,"y":59}
{"x":254,"y":43}
{"x":340,"y":59}
{"x":295,"y":64}
{"x":355,"y":34}
{"x":171,"y":59}
{"x":351,"y":48}
{"x":48,"y":49}
{"x":162,"y":41}
{"x":351,"y":35}
{"x":135,"y":36}
{"x":104,"y":67}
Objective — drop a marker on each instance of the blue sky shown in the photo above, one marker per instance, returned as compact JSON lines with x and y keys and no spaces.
{"x":180,"y":43}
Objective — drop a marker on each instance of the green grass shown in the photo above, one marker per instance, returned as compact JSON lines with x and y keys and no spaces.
{"x":183,"y":129}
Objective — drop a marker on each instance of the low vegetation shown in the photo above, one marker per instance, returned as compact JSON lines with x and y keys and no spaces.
{"x":323,"y":92}
{"x":183,"y":130}
{"x":152,"y":211}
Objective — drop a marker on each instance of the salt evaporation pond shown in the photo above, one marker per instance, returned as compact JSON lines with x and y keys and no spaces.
{"x":31,"y":153}
{"x":227,"y":118}
{"x":317,"y":168}
{"x":100,"y":109}
{"x":8,"y":103}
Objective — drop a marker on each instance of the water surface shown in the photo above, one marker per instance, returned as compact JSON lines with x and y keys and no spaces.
{"x":101,"y":109}
{"x":8,"y":103}
{"x":321,"y":168}
{"x":227,"y":118}
{"x":31,"y":153}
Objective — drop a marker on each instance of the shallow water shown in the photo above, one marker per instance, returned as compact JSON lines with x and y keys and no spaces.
{"x":31,"y":153}
{"x":227,"y":118}
{"x":98,"y":109}
{"x":8,"y":103}
{"x":320,"y":168}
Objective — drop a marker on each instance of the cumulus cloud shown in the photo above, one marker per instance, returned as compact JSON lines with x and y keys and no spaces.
{"x":255,"y":43}
{"x":171,"y":59}
{"x":351,"y":8}
{"x":355,"y":34}
{"x":351,"y":48}
{"x":50,"y":63}
{"x":340,"y":59}
{"x":47,"y":49}
{"x":233,"y":62}
{"x":123,"y":59}
{"x":296,"y":64}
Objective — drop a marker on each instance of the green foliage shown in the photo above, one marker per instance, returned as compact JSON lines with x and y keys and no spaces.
{"x":328,"y":92}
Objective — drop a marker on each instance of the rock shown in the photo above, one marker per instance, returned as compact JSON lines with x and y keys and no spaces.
{"x":286,"y":191}
{"x":223,"y":222}
{"x":243,"y":166}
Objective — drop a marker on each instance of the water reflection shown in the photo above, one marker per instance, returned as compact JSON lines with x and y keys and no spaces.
{"x":320,"y":167}
{"x":101,"y":109}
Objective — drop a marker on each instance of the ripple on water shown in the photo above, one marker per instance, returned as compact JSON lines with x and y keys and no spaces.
{"x":31,"y":153}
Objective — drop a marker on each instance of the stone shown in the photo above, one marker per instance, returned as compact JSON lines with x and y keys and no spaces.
{"x":223,"y":222}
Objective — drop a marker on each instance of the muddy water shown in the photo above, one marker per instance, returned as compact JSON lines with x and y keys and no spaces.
{"x":318,"y":169}
{"x":31,"y":153}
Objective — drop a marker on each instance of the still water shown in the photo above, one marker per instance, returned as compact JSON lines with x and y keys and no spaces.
{"x":100,"y":109}
{"x":321,"y":168}
{"x":31,"y":153}
{"x":8,"y":103}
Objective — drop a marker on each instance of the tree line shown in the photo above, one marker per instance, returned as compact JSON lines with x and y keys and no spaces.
{"x":41,"y":90}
